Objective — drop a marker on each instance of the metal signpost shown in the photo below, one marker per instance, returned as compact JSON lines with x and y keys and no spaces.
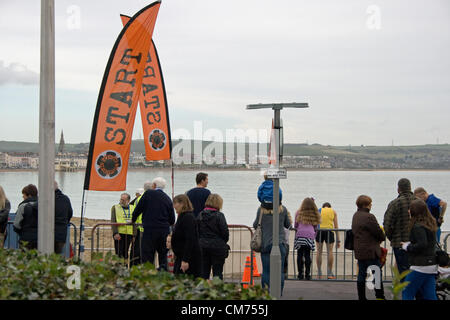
{"x":46,"y":208}
{"x":276,"y":173}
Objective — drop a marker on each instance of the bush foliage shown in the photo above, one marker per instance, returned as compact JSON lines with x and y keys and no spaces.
{"x":30,"y":275}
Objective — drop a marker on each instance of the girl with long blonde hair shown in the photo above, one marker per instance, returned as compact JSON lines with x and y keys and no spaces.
{"x":307,"y":219}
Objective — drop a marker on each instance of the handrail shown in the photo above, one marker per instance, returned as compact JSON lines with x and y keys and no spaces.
{"x":109,"y":224}
{"x":344,"y":251}
{"x":235,"y":226}
{"x":75,"y":243}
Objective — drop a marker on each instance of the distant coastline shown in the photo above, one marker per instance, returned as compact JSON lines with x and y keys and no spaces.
{"x":243,"y":169}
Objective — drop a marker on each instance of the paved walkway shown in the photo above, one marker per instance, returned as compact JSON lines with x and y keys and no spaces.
{"x":326,"y":290}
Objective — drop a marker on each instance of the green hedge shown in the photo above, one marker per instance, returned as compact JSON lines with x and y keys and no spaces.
{"x":30,"y":275}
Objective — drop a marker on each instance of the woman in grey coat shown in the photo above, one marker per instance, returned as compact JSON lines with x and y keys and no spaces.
{"x":267,"y":236}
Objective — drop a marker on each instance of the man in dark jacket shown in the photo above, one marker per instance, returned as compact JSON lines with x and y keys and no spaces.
{"x":63,"y":214}
{"x":157,"y":218}
{"x":199,"y":194}
{"x":26,"y":221}
{"x":367,"y":235}
{"x":396,"y":222}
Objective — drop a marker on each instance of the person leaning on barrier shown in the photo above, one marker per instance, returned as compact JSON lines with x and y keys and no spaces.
{"x":214,"y":235}
{"x":26,"y":220}
{"x":123,"y":235}
{"x":157,"y":217}
{"x":329,"y":221}
{"x":5,"y":207}
{"x":367,"y":235}
{"x":307,"y":220}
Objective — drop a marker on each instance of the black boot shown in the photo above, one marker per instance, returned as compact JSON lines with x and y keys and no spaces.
{"x":361,"y":290}
{"x":379,"y":293}
{"x":308,"y":271}
{"x":300,"y":263}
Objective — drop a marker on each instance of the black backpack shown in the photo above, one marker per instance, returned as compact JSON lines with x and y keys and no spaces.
{"x":442,"y":258}
{"x":348,"y":242}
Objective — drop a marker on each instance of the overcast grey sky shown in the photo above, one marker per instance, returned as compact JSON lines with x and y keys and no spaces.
{"x":372,"y":71}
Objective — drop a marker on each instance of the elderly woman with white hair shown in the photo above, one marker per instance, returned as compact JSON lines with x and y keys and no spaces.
{"x":157,"y":217}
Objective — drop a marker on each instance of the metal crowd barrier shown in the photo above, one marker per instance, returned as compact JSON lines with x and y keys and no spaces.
{"x":344,"y":266}
{"x":239,"y":242}
{"x":101,"y":241}
{"x":445,"y":242}
{"x":101,"y":238}
{"x":12,"y":238}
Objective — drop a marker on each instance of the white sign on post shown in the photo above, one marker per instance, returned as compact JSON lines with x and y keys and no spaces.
{"x":277,"y":173}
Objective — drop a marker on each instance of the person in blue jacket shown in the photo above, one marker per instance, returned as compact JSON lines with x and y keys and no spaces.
{"x":265,"y":193}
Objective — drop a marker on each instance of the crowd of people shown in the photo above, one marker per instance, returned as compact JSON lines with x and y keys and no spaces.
{"x":411,"y":223}
{"x":198,"y":236}
{"x":26,"y":218}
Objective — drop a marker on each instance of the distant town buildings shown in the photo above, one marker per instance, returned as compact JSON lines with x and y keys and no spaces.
{"x":78,"y":161}
{"x":246,"y":157}
{"x":19,"y":160}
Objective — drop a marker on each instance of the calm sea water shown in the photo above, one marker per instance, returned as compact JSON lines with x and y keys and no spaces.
{"x":239,"y":188}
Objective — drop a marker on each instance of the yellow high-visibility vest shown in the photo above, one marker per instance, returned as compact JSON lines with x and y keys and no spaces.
{"x":139,"y":219}
{"x":124,"y":216}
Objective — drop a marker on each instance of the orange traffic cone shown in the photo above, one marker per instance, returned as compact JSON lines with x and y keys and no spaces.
{"x":255,"y":267}
{"x":246,"y":278}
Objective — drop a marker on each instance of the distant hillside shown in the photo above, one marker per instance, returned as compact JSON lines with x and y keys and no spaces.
{"x":390,"y":153}
{"x":373,"y":152}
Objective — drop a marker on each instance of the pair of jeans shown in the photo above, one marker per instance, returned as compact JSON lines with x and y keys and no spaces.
{"x":438,"y":235}
{"x":363,"y":265}
{"x":401,"y":257}
{"x":265,"y":261}
{"x":155,"y":241}
{"x":422,"y":283}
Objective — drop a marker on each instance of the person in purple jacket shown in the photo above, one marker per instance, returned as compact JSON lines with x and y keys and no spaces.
{"x":307,"y":219}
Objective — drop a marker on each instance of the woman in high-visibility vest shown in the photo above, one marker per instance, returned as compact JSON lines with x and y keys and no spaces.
{"x":123,"y":235}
